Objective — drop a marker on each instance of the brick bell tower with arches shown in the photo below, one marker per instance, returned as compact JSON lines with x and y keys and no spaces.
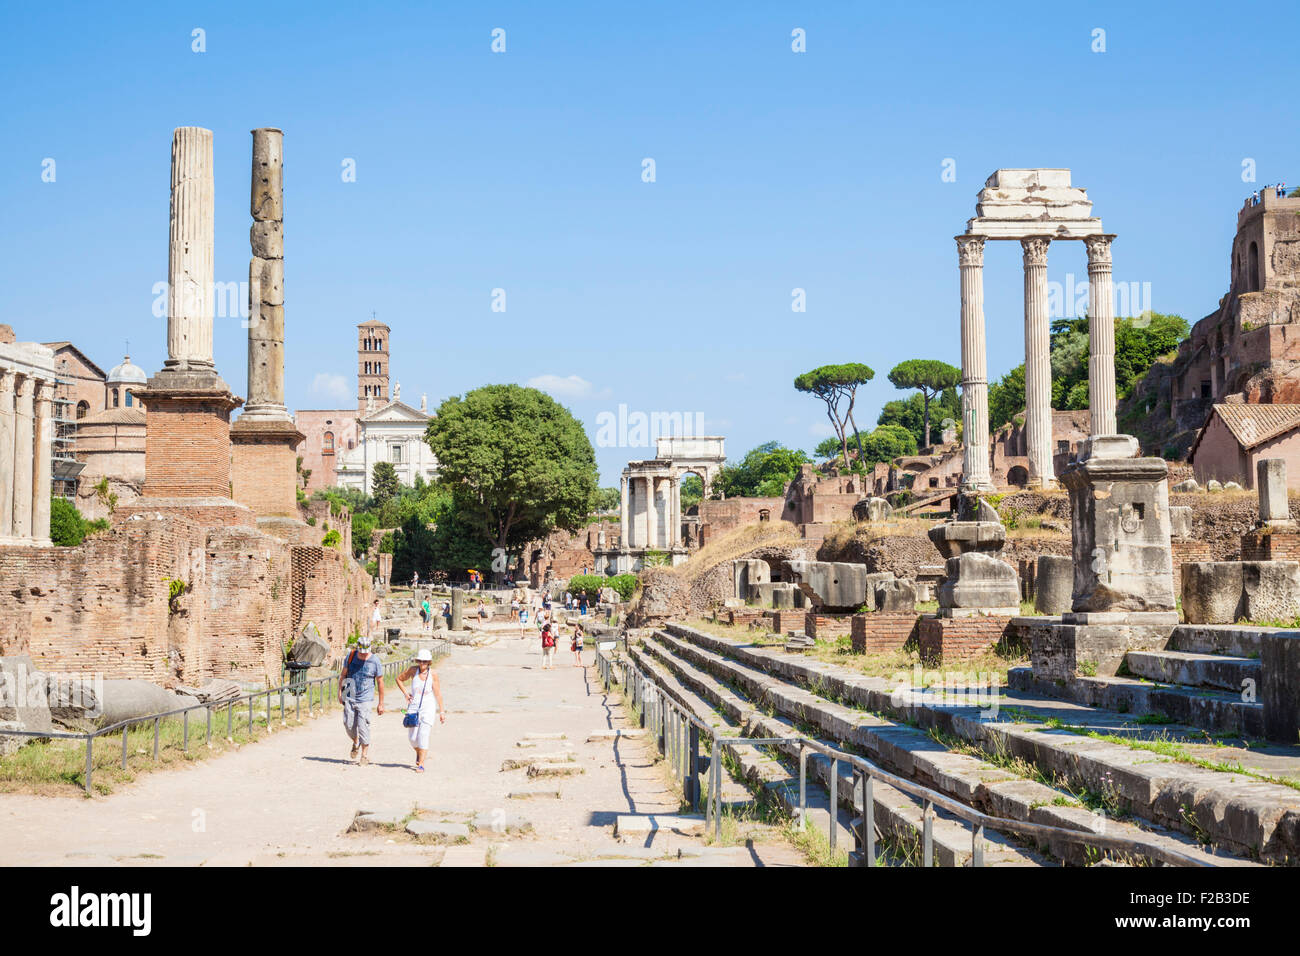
{"x":372,"y":365}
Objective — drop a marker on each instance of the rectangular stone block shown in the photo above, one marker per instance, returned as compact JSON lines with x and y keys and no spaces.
{"x":1279,"y":689}
{"x":1270,"y":483}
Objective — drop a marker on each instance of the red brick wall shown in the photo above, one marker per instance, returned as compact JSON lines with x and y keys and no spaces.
{"x":247,"y":612}
{"x":743,"y":615}
{"x":264,"y":478}
{"x":187,"y":449}
{"x":826,"y":625}
{"x":785,"y":620}
{"x":944,"y":639}
{"x":1276,"y":546}
{"x":880,"y":632}
{"x":1185,"y":551}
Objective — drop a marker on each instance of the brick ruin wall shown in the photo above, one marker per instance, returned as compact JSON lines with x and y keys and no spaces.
{"x":103,"y":607}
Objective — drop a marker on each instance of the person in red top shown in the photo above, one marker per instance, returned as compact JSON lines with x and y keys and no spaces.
{"x":548,"y":648}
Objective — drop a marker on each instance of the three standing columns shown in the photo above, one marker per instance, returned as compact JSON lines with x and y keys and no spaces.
{"x":1038,"y":364}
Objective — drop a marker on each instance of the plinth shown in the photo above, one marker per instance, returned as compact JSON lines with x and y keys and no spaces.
{"x":263,"y":469}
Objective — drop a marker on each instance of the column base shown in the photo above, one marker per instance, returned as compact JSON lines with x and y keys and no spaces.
{"x":983,"y":487}
{"x":187,"y":434}
{"x":263,"y":466}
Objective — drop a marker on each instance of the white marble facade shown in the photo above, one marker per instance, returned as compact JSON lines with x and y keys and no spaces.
{"x":27,"y":379}
{"x":392,"y":433}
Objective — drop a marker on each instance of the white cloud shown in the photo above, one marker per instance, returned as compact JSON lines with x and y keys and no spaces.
{"x":331,"y":386}
{"x":572,"y":386}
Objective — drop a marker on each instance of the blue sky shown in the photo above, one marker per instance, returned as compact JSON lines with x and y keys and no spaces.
{"x":522,"y":171}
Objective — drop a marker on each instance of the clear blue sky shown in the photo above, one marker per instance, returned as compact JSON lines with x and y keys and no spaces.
{"x":522,"y":171}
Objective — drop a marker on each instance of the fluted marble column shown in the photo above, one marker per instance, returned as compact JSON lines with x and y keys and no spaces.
{"x":674,"y":512}
{"x":41,"y":461}
{"x":24,"y":445}
{"x":7,"y":453}
{"x":1038,"y":364}
{"x":189,"y":259}
{"x":624,"y":529}
{"x":1101,"y":335}
{"x":974,"y":366}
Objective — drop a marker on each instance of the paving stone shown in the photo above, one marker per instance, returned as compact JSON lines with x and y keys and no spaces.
{"x":379,"y":820}
{"x":499,"y":822}
{"x":533,"y":795}
{"x":438,"y":830}
{"x":554,"y":769}
{"x":517,"y":763}
{"x":465,"y":855}
{"x":639,"y":825}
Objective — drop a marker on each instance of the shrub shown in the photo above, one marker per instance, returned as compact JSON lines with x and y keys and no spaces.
{"x":624,"y":584}
{"x":67,"y":526}
{"x":588,"y":584}
{"x":332,"y":539}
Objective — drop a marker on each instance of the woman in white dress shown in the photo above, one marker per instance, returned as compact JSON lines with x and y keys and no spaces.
{"x":424,"y":698}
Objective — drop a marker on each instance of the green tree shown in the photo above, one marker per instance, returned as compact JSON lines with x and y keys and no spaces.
{"x":692,"y":491}
{"x":518,"y":464}
{"x":1007,"y":397}
{"x":762,"y":473}
{"x":608,"y":499}
{"x":886,"y":443}
{"x":837,"y":386}
{"x":383,"y":482}
{"x":910,"y":412}
{"x":930,"y":377}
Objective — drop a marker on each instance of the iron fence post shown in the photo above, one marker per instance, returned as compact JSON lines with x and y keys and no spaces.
{"x":834,"y":789}
{"x":185,"y":722}
{"x":90,"y":748}
{"x":208,"y":739}
{"x":124,"y":734}
{"x":693,"y":778}
{"x":927,"y":834}
{"x":156,"y":721}
{"x":803,"y":787}
{"x":977,"y":846}
{"x":869,"y":820}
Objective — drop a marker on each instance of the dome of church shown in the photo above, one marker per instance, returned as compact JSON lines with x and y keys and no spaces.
{"x":127,"y":373}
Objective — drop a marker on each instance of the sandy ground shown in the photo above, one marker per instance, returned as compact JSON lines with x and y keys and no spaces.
{"x":291,"y":799}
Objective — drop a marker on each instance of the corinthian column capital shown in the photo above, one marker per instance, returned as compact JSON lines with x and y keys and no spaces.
{"x":8,"y":379}
{"x":1098,"y":249}
{"x":1035,"y":250}
{"x":970,"y":250}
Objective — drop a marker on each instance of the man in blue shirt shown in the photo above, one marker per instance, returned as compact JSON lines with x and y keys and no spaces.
{"x":360,"y":681}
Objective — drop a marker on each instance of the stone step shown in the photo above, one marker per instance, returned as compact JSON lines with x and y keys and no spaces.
{"x":1214,"y":710}
{"x":527,"y":760}
{"x":898,"y":816}
{"x":1193,"y":670}
{"x":639,"y":826}
{"x":1216,"y":639}
{"x":554,"y":769}
{"x":1244,"y":817}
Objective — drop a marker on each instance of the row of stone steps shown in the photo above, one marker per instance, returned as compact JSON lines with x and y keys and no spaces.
{"x":1239,"y":814}
{"x":1193,"y":670}
{"x":898,"y":816}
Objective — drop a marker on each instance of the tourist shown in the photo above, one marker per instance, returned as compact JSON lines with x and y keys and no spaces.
{"x":523,"y":623}
{"x":568,"y":600}
{"x":426,"y":612}
{"x":514,"y":604}
{"x":361,"y":679}
{"x":376,"y":619}
{"x":582,"y":603}
{"x":415,"y":580}
{"x":482,"y":612}
{"x":548,"y":648}
{"x":576,"y":645}
{"x":423,"y":703}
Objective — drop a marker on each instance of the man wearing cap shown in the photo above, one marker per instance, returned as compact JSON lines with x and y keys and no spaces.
{"x":361,"y":679}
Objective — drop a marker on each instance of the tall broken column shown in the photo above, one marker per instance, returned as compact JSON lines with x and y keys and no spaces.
{"x":1101,"y":336}
{"x":187,"y":436}
{"x":264,"y":439}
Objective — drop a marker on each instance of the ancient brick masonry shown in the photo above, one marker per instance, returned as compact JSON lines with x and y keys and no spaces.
{"x":881,"y":632}
{"x":826,"y":625}
{"x":1266,"y":544}
{"x":944,"y":640}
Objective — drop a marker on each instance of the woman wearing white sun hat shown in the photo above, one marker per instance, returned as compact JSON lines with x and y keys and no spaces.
{"x":423,"y":704}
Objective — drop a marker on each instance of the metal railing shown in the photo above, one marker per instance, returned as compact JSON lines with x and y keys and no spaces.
{"x":677,"y":734}
{"x":317,"y":692}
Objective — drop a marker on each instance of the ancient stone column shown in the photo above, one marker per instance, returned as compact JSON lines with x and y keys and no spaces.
{"x":7,"y":459}
{"x":42,"y":464}
{"x":674,"y":512}
{"x":649,"y":541}
{"x":7,"y":451}
{"x":624,"y":528}
{"x":189,"y":259}
{"x":974,"y":370}
{"x":24,"y":460}
{"x":1101,"y":328}
{"x":264,"y":475}
{"x":266,"y":279}
{"x":1038,"y":364}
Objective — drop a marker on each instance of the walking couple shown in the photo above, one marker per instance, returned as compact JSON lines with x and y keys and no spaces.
{"x":361,"y":687}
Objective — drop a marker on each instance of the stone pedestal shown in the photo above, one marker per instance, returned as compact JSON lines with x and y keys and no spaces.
{"x":263,"y":468}
{"x":1120,"y":528}
{"x":979,"y":585}
{"x":1053,"y":584}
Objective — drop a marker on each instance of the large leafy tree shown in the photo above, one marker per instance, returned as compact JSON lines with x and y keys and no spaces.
{"x":910,"y":412}
{"x":930,"y":377}
{"x":762,"y":473}
{"x":517,"y":463}
{"x":886,"y":443}
{"x":837,"y":386}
